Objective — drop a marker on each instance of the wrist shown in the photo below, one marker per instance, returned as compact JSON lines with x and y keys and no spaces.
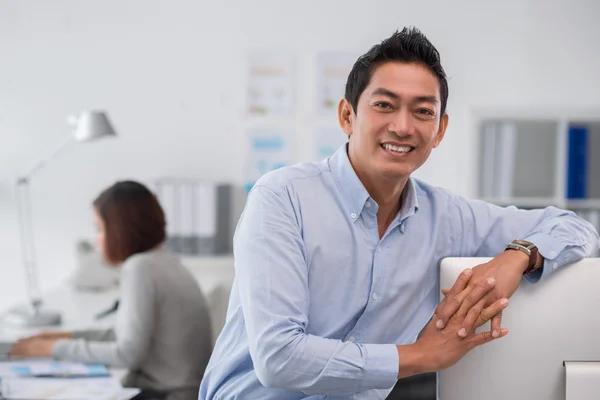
{"x":49,"y":351}
{"x":517,"y":258}
{"x":413,"y":360}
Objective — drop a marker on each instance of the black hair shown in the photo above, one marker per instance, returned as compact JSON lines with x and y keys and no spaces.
{"x":134,"y":221}
{"x":408,"y":45}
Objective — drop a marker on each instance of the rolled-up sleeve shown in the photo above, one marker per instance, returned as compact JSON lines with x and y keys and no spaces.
{"x":272,"y":280}
{"x":561,"y":236}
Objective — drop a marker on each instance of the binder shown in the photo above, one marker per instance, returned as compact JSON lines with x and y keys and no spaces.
{"x":577,"y":162}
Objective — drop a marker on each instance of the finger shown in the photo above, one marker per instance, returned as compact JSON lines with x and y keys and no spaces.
{"x":496,"y":324}
{"x":445,"y":291}
{"x":478,"y":292}
{"x":488,"y":313}
{"x":462,"y":281}
{"x":450,"y":304}
{"x":484,"y":337}
{"x":471,"y":318}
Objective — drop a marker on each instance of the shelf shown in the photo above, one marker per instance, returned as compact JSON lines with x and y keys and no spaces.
{"x":541,"y":202}
{"x":527,"y":202}
{"x":587,"y":204}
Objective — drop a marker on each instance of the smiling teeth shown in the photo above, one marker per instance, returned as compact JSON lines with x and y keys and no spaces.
{"x":397,"y":149}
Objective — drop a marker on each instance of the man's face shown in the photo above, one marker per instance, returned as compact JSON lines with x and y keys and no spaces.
{"x":397,"y":122}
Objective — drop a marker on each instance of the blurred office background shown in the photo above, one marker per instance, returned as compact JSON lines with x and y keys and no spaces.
{"x":173,"y":77}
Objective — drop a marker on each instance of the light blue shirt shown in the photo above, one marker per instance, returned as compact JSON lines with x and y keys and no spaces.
{"x":320,"y":302}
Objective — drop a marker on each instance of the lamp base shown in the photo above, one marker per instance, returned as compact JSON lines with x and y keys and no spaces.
{"x":28,"y":317}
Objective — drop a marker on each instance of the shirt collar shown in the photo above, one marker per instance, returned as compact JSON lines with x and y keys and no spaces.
{"x":410,"y":202}
{"x":354,"y":193}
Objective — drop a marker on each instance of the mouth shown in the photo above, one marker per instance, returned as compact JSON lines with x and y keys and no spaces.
{"x":397,"y":149}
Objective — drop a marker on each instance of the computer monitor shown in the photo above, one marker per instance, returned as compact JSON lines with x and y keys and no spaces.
{"x":549,"y":322}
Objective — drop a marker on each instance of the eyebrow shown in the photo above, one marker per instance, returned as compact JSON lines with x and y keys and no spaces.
{"x":418,"y":99}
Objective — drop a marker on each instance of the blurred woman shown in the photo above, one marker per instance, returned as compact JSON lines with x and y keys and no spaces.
{"x":162,"y":333}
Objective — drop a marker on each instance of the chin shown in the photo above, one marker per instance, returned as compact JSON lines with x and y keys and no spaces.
{"x":399,"y":172}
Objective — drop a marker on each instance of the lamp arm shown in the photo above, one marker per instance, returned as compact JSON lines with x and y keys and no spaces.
{"x":41,"y":163}
{"x":22,"y":198}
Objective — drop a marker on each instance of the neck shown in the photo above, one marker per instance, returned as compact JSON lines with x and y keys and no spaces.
{"x":387,"y":192}
{"x":388,"y":196}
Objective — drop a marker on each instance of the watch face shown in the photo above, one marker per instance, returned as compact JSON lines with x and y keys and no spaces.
{"x":525,"y":243}
{"x":519,"y":247}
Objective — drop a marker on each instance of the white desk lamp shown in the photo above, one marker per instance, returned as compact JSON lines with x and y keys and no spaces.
{"x":89,"y":126}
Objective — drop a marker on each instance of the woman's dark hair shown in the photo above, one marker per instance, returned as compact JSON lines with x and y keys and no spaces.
{"x":134,"y":221}
{"x":408,"y":45}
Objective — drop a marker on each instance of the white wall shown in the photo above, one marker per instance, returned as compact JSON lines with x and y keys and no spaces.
{"x":171,"y":74}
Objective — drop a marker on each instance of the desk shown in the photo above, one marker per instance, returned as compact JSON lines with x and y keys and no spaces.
{"x":79,"y":308}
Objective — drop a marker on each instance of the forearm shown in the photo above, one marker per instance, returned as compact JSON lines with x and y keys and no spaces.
{"x":96,"y":335}
{"x":563,"y":237}
{"x":560,"y":235}
{"x":316,"y":365}
{"x":106,"y":353}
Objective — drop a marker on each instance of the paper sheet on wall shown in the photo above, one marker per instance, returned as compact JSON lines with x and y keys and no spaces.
{"x":270,"y":84}
{"x":328,"y":139}
{"x":332,"y":72}
{"x":267,"y":150}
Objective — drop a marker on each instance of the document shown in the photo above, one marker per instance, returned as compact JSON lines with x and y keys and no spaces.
{"x":57,"y":369}
{"x":332,"y":73}
{"x":65,"y":389}
{"x":270,"y":86}
{"x":267,"y":150}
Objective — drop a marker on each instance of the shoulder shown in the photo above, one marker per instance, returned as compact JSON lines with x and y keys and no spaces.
{"x":148,"y":264}
{"x":286,"y":178}
{"x":453,"y":205}
{"x":433,"y":194}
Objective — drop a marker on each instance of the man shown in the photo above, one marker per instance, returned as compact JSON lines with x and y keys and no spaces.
{"x":336,"y":262}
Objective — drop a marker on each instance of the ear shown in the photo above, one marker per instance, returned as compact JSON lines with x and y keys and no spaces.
{"x":345,"y":113}
{"x":441,"y":130}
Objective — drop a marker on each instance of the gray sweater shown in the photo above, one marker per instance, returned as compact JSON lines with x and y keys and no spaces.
{"x":162,"y":333}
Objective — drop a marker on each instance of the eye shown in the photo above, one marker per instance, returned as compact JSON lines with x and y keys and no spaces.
{"x":425,"y":111}
{"x":382,"y":105}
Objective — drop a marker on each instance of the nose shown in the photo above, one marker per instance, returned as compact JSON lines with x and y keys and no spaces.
{"x":401,"y":123}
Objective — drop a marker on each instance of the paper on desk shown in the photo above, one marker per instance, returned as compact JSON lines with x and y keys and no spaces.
{"x":65,"y":389}
{"x":52,"y":369}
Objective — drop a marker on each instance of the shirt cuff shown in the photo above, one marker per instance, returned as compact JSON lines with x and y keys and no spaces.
{"x":60,"y":348}
{"x":381,"y":369}
{"x":550,"y":248}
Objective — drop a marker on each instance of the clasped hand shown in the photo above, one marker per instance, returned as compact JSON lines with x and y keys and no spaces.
{"x":506,"y":270}
{"x":478,"y":296}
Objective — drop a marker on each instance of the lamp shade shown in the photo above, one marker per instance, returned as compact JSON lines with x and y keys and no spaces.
{"x":92,"y":125}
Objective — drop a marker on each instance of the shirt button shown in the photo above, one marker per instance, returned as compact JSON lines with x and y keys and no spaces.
{"x":379,"y":249}
{"x":554,"y":265}
{"x":351,"y":338}
{"x":367,"y":204}
{"x":374,"y":296}
{"x":353,"y":215}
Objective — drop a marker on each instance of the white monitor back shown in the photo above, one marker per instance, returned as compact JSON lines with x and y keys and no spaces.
{"x":549,"y":322}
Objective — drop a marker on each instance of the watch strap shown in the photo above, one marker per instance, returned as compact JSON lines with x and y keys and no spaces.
{"x":528,"y":248}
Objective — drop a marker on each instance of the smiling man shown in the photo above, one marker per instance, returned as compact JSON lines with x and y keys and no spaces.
{"x":336,"y":262}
